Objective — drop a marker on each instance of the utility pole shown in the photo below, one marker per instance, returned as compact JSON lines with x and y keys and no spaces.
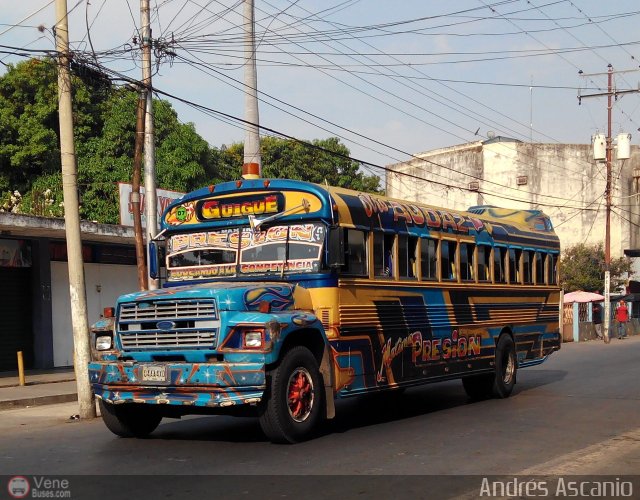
{"x":252,"y":166}
{"x":611,"y":93}
{"x":77,"y":292}
{"x":151,"y":203}
{"x":135,"y":190}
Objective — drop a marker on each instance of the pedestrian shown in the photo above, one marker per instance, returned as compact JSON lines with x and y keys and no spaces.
{"x":622,"y":316}
{"x":597,"y":319}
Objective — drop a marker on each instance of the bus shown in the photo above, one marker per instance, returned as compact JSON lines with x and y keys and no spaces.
{"x":281,"y":296}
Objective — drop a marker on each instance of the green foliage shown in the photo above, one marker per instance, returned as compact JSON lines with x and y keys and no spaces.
{"x":582,"y":268}
{"x":28,"y":116}
{"x":286,"y":158}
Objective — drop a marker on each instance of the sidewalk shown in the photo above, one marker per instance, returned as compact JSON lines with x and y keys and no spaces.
{"x":42,"y":387}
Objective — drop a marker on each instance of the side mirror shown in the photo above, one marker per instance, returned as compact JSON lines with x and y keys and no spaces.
{"x":336,"y":247}
{"x":156,"y":255}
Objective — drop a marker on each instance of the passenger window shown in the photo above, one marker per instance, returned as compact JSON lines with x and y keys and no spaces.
{"x":448,"y":260}
{"x":355,"y":247}
{"x":407,"y":246}
{"x":383,"y":254}
{"x":484,"y":263}
{"x":467,"y":261}
{"x":527,"y":267}
{"x":539,"y":268}
{"x":499,"y":274}
{"x":551,"y":269}
{"x":429,"y":258}
{"x":514,"y":265}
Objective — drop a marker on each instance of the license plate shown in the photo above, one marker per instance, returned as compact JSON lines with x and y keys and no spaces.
{"x":154,"y":373}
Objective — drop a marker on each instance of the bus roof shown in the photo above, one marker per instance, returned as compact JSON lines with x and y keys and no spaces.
{"x":231,"y":203}
{"x":489,"y":225}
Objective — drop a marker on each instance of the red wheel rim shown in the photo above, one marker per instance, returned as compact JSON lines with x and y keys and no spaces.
{"x":300,"y":394}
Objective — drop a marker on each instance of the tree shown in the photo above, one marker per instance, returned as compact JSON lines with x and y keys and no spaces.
{"x":326,"y":161}
{"x":582,"y":268}
{"x":104,"y":130}
{"x":182,"y":156}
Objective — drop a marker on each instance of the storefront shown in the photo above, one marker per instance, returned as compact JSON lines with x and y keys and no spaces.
{"x":35,"y":311}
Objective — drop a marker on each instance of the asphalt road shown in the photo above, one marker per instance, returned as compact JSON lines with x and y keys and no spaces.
{"x":578,"y":413}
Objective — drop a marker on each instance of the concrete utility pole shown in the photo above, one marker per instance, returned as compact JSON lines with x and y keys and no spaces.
{"x":150,"y":195}
{"x":252,"y":166}
{"x":610,"y":93}
{"x":77,"y":292}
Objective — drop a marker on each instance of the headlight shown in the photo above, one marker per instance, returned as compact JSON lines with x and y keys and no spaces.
{"x":103,"y":342}
{"x":253,"y":339}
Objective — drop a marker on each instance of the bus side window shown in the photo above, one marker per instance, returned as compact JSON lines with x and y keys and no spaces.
{"x":407,"y":246}
{"x":539,"y":268}
{"x":499,"y":274}
{"x":355,"y":253}
{"x":551,"y":269}
{"x":484,"y":263}
{"x":466,"y":261}
{"x":514,"y":265}
{"x":429,"y":258}
{"x":448,"y":260}
{"x":383,"y":254}
{"x":527,"y":267}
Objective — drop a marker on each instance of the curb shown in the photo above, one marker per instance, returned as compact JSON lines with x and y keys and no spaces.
{"x":30,"y":384}
{"x":39,"y":401}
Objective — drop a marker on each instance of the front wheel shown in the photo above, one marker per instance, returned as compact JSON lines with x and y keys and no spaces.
{"x":129,"y":419}
{"x":294,"y":398}
{"x":500,"y":383}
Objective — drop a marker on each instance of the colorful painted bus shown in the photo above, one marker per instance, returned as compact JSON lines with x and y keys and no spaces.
{"x":281,"y":296}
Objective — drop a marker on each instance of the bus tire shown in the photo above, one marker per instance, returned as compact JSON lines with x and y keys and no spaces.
{"x":506,"y":367}
{"x":500,"y":383}
{"x":129,"y":419}
{"x":294,"y":398}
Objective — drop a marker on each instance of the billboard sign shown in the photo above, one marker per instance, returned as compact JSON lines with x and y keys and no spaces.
{"x":165,"y":197}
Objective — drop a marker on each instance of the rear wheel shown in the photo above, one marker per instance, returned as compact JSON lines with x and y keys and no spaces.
{"x":500,"y":383}
{"x":129,"y":419}
{"x":294,"y":399}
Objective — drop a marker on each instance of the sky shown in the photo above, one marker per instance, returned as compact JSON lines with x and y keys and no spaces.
{"x":389,"y":78}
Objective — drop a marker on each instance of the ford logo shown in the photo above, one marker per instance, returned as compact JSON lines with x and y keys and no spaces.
{"x":165,"y":325}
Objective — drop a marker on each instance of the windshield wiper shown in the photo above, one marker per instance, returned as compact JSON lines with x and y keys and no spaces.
{"x":256,"y":223}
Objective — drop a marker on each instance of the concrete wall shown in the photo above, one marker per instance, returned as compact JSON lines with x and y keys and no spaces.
{"x":563,"y":180}
{"x":103,"y":282}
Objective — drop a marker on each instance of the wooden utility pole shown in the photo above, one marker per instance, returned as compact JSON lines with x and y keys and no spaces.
{"x":135,"y":191}
{"x":150,"y":195}
{"x":252,"y":165}
{"x":611,"y":93}
{"x":77,"y":292}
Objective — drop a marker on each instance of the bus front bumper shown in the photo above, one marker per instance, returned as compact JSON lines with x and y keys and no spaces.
{"x":183,"y":384}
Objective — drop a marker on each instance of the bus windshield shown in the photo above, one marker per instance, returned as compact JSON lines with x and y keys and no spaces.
{"x":273,"y":250}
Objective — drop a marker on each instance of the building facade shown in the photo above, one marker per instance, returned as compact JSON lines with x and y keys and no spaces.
{"x":34,"y":297}
{"x":563,"y":180}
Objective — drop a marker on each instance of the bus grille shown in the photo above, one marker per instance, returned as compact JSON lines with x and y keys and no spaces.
{"x":168,"y":324}
{"x":172,"y":340}
{"x":167,"y":309}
